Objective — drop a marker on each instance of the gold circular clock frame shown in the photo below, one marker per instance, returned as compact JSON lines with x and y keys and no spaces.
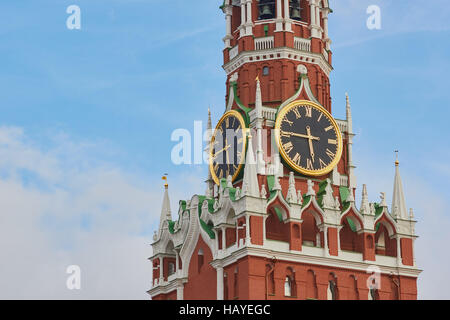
{"x":314,"y":173}
{"x":244,"y":129}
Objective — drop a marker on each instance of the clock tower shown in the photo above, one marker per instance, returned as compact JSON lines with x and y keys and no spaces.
{"x":278,"y":219}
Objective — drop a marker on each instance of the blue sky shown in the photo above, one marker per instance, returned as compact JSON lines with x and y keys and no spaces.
{"x":86,"y":119}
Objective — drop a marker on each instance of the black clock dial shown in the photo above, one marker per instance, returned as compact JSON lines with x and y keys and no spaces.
{"x":309,"y":138}
{"x":227,"y":147}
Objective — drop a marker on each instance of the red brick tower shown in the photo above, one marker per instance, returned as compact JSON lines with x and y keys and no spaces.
{"x":283,"y":224}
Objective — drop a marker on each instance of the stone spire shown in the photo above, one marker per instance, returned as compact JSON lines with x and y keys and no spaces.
{"x":398,"y":199}
{"x":209,"y":125}
{"x":348,"y":113}
{"x":165,"y":209}
{"x":292,"y":192}
{"x":365,"y":206}
{"x":259,"y":121}
{"x":351,"y":177}
{"x":250,"y":186}
{"x":328,"y":199}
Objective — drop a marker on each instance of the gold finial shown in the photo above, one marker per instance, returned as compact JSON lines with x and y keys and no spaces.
{"x":257,"y":78}
{"x":166,"y":185}
{"x":396,"y":158}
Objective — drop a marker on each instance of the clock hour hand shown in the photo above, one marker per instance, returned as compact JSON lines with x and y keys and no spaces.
{"x":300,"y":135}
{"x":220,"y":151}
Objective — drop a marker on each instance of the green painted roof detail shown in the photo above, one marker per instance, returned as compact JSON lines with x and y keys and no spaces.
{"x":377,"y":226}
{"x":321,"y":193}
{"x":270,"y":184}
{"x":205,"y":227}
{"x":346,"y":206}
{"x":306,"y":200}
{"x":208,"y":229}
{"x":171,"y":226}
{"x":344,"y":192}
{"x":378,"y":209}
{"x":231,"y":191}
{"x":182,"y":204}
{"x":351,"y":224}
{"x":279,"y":214}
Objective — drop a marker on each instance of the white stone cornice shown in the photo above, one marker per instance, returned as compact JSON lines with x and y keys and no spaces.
{"x":272,"y":54}
{"x":167,"y":287}
{"x":347,"y":260}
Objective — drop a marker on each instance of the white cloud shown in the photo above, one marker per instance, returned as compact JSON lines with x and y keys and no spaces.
{"x":55,"y":214}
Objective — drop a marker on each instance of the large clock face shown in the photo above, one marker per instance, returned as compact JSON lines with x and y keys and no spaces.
{"x":227,"y":147}
{"x":308,"y":138}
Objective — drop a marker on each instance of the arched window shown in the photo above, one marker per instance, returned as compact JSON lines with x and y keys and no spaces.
{"x":171,"y":268}
{"x":288,"y":287}
{"x":349,"y":238}
{"x":265,"y":71}
{"x":331,"y":291}
{"x":276,"y":229}
{"x":373,"y":294}
{"x":266,"y":9}
{"x":295,"y":10}
{"x":384,"y":245}
{"x":201,"y":259}
{"x":310,"y":232}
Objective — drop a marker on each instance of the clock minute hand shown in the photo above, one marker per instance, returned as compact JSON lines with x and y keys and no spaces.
{"x":310,"y":140}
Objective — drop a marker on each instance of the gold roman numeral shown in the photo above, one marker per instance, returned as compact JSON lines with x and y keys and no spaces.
{"x":322,"y":164}
{"x":287,"y":120}
{"x":288,"y":147}
{"x":297,"y":113}
{"x":320,"y":117}
{"x":329,"y":128}
{"x":308,"y":111}
{"x":297,"y":159}
{"x":330,"y":154}
{"x":309,"y":164}
{"x":332,"y":141}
